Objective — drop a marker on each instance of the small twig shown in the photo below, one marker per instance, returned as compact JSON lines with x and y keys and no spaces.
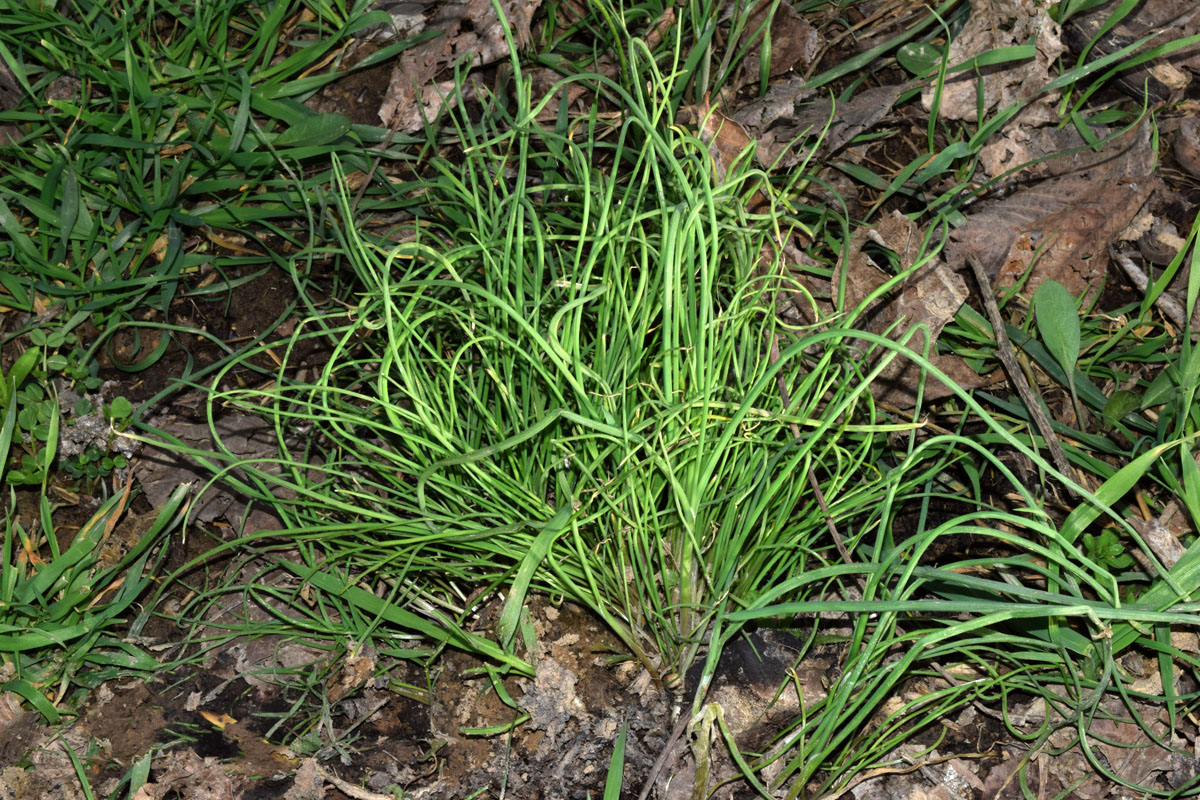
{"x":664,"y":755}
{"x":1004,"y":351}
{"x":1165,"y":301}
{"x":349,"y":789}
{"x":924,"y":765}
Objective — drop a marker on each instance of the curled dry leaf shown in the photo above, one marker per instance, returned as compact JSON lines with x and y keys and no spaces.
{"x":1187,"y":146}
{"x":1062,"y":226}
{"x":1161,"y":242}
{"x":931,"y":296}
{"x":355,"y":672}
{"x":787,"y":114}
{"x":1166,"y":21}
{"x":795,"y":42}
{"x":995,"y":24}
{"x":471,"y":33}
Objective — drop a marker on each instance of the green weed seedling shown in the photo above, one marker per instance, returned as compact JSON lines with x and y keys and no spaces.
{"x":9,"y":384}
{"x":1058,"y":324}
{"x":31,"y":421}
{"x":58,"y":607}
{"x":35,"y":420}
{"x":77,"y":367}
{"x":1108,"y":550}
{"x":65,"y":357}
{"x":94,"y":462}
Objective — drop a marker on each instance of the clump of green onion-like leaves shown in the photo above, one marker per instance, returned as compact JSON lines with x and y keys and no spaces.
{"x":559,"y":378}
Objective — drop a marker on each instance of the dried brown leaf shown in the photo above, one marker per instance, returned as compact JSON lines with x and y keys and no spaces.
{"x":931,"y":296}
{"x":725,"y":137}
{"x":1057,"y":151}
{"x":995,"y":24}
{"x":785,"y":114}
{"x":353,"y":674}
{"x":1133,"y":754}
{"x":187,"y":775}
{"x":10,"y":88}
{"x":795,"y":42}
{"x":308,"y":783}
{"x":1166,"y":20}
{"x":471,"y":33}
{"x":1066,"y":223}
